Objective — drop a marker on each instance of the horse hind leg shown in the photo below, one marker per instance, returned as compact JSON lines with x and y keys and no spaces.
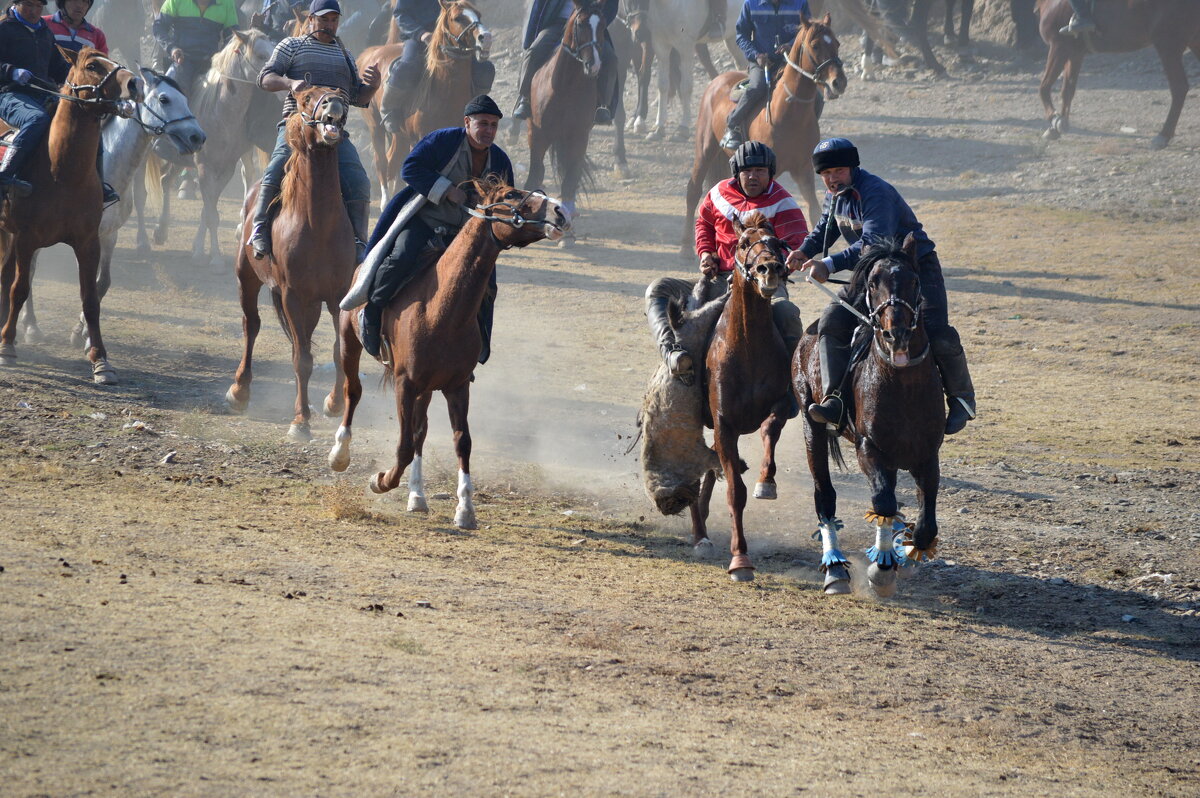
{"x":238,"y":396}
{"x":458,"y":402}
{"x":351,"y":353}
{"x":30,"y":332}
{"x":417,"y":503}
{"x":88,"y":256}
{"x":770,"y":431}
{"x":702,"y":547}
{"x":302,"y":319}
{"x":332,"y":406}
{"x":1171,"y":57}
{"x":406,"y":396}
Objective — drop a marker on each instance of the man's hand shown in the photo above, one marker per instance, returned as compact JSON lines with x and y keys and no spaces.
{"x":370,"y":77}
{"x":795,"y":260}
{"x":818,"y":270}
{"x":298,"y":85}
{"x":177,"y":55}
{"x":763,"y":60}
{"x":709,"y":265}
{"x":21,"y":76}
{"x":456,"y":195}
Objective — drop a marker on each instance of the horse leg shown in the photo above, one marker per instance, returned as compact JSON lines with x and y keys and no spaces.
{"x":1171,"y":55}
{"x":30,"y":332}
{"x":108,"y":242}
{"x":406,"y":395}
{"x":1056,"y":61}
{"x":537,"y":159}
{"x":1070,"y":81}
{"x":685,"y":100}
{"x":458,"y":402}
{"x":664,"y":93}
{"x":964,"y":25}
{"x":139,"y":207}
{"x":882,"y":571}
{"x":379,"y":154}
{"x":249,"y":286}
{"x":351,"y":352}
{"x":740,"y":568}
{"x":416,"y":474}
{"x":701,"y":545}
{"x":948,"y":26}
{"x":301,"y":318}
{"x":834,"y":564}
{"x":210,"y":221}
{"x":918,"y":26}
{"x":164,"y":214}
{"x":770,"y":431}
{"x":15,"y":279}
{"x":925,"y":531}
{"x":332,"y":405}
{"x":87,"y":253}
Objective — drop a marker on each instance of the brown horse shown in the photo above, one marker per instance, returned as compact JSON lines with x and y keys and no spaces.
{"x":1172,"y":26}
{"x":897,"y":418}
{"x":788,"y":124}
{"x":458,"y":38}
{"x":312,"y":261}
{"x":65,"y":206}
{"x":433,"y":331}
{"x":748,"y":383}
{"x":562,"y":99}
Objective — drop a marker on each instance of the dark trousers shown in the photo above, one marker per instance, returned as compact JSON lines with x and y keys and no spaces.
{"x":752,"y":99}
{"x":543,"y":48}
{"x":31,"y":120}
{"x":409,"y":68}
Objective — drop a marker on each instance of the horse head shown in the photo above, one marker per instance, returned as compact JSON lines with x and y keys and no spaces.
{"x":165,"y":112}
{"x":459,"y":34}
{"x":758,"y":255}
{"x":814,"y":55}
{"x":518,"y":217}
{"x":101,"y":83}
{"x":584,"y":34}
{"x":636,"y":12}
{"x":320,"y":118}
{"x":893,"y":296}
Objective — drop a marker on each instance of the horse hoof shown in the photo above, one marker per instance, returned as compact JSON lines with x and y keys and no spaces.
{"x":417,"y":503}
{"x":160,"y":236}
{"x":32,"y":335}
{"x":621,"y":173}
{"x":103,"y":373}
{"x":300,"y":433}
{"x":1159,"y":142}
{"x":376,"y":484}
{"x":703,"y":549}
{"x":766,"y":490}
{"x":1051,"y":134}
{"x":883,"y":580}
{"x":233,"y":403}
{"x":332,"y":407}
{"x":566,"y":242}
{"x":742,"y":575}
{"x":654,"y":135}
{"x":339,"y":461}
{"x":464,"y":518}
{"x":837,"y":581}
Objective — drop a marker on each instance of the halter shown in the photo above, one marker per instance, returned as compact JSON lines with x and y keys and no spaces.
{"x":118,"y":106}
{"x":773,"y":245}
{"x":514,"y":220}
{"x":577,"y":53}
{"x":157,"y":130}
{"x":312,"y":121}
{"x":833,"y":61}
{"x":895,"y":301}
{"x":460,"y":51}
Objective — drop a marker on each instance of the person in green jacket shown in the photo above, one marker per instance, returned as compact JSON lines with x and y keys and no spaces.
{"x":190,"y":32}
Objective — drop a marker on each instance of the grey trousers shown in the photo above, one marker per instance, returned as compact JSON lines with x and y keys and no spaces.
{"x":785,"y":315}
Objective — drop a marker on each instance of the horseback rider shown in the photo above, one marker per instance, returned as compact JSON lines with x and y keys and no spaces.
{"x":1082,"y":21}
{"x":543,"y":34}
{"x":439,"y":169}
{"x":278,"y":15}
{"x":73,"y":32}
{"x":27,"y":53}
{"x":416,"y":20}
{"x":862,"y":209}
{"x":298,"y":62}
{"x":765,"y":29}
{"x":190,"y":32}
{"x":751,"y":189}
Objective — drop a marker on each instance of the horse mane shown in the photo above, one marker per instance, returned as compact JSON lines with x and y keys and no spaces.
{"x":294,"y":135}
{"x":883,"y":249}
{"x":437,"y":64}
{"x":233,"y":61}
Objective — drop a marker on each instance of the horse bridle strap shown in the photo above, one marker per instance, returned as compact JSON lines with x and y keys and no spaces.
{"x":312,"y":121}
{"x":516,"y":220}
{"x":912,"y":361}
{"x":813,"y":76}
{"x":893,"y":301}
{"x":577,"y":53}
{"x":743,"y":267}
{"x":158,"y":130}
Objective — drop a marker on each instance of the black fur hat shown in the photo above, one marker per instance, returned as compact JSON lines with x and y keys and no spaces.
{"x":482,"y":104}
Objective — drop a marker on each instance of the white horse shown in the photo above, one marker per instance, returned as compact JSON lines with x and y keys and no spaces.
{"x":164,"y":113}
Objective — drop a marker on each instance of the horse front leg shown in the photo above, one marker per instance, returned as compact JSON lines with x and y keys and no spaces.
{"x":701,"y":545}
{"x":332,"y":406}
{"x":458,"y":402}
{"x":210,"y":222}
{"x":925,"y":531}
{"x":88,"y":255}
{"x":351,"y":353}
{"x":406,"y":396}
{"x":165,"y":181}
{"x":301,"y":318}
{"x":740,"y":568}
{"x":1056,"y":61}
{"x":664,"y":92}
{"x":1171,"y":56}
{"x":15,"y":280}
{"x":537,"y":159}
{"x":884,"y":558}
{"x":139,"y":207}
{"x":417,"y":502}
{"x":771,"y":429}
{"x":30,"y":332}
{"x":249,"y":286}
{"x":834,"y":564}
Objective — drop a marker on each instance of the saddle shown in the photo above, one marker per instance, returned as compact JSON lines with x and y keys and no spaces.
{"x":6,"y":138}
{"x":738,"y":89}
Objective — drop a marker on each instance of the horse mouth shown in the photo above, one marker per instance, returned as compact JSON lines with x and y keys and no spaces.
{"x":900,"y":359}
{"x":553,"y":231}
{"x":330,"y":133}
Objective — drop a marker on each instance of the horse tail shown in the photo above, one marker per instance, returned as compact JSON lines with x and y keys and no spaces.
{"x":277,"y":302}
{"x":154,"y":179}
{"x":835,"y":450}
{"x":675,"y":72}
{"x":587,"y":172}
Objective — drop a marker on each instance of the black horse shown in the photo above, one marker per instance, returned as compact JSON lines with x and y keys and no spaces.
{"x":895,"y":417}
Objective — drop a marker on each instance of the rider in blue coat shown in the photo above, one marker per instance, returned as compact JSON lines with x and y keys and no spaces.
{"x":543,"y":34}
{"x":862,"y":209}
{"x":765,"y":29}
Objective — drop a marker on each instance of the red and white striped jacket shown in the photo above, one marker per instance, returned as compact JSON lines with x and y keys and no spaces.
{"x":86,"y":35}
{"x":714,"y":223}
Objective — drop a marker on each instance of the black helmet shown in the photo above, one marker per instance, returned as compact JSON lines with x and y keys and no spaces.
{"x":62,"y":3}
{"x":834,"y":153}
{"x":750,"y":155}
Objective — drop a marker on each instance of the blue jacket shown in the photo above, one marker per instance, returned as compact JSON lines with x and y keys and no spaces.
{"x":763,"y":26}
{"x":871,"y":210}
{"x":414,"y":17}
{"x":22,"y":48}
{"x":422,"y":171}
{"x":545,"y":12}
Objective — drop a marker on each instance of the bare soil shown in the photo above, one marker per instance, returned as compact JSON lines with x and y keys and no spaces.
{"x":234,"y":620}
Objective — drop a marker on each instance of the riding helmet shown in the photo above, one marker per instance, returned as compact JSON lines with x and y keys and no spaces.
{"x":834,"y":153}
{"x":750,"y":155}
{"x":63,"y":3}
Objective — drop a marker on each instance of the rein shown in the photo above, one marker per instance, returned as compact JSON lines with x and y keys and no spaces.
{"x":515,"y":220}
{"x":773,"y":245}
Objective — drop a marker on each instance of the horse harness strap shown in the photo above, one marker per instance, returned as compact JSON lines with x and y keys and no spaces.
{"x":766,"y":241}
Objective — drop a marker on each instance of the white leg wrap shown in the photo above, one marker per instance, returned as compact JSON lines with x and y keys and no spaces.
{"x":416,"y":487}
{"x":339,"y":455}
{"x":883,"y":537}
{"x":464,"y":516}
{"x":829,"y":541}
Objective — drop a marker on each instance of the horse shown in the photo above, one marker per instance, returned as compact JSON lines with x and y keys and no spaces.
{"x":459,"y":37}
{"x":896,"y":418}
{"x":163,"y":113}
{"x":562,"y":100}
{"x":434,"y":337}
{"x":65,"y":206}
{"x":748,"y":381}
{"x":910,"y":26}
{"x":237,"y":115}
{"x":313,"y":259}
{"x":1172,"y":26}
{"x":788,"y":124}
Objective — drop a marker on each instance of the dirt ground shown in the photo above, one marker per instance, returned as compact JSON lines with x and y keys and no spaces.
{"x":189,"y":605}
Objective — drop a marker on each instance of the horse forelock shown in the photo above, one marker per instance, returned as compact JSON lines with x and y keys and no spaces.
{"x":436,"y":62}
{"x":886,"y":252}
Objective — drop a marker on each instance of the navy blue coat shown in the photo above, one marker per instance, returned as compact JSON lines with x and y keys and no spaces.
{"x":546,"y":11}
{"x":872,"y":210}
{"x":762,"y":26}
{"x":414,"y":17}
{"x":422,"y":170}
{"x":22,"y":48}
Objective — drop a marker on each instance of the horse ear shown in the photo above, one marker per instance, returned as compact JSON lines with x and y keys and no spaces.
{"x":241,"y":35}
{"x":828,"y":21}
{"x":738,"y":227}
{"x":910,"y":248}
{"x":148,"y":74}
{"x":71,"y":55}
{"x":258,"y":21}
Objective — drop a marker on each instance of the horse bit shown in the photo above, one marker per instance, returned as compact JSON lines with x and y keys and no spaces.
{"x":312,"y":121}
{"x":516,"y":220}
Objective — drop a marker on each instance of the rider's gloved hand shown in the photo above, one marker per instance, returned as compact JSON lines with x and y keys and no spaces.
{"x":21,"y":76}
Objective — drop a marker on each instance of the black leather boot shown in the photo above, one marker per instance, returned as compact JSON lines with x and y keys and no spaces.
{"x":14,"y":159}
{"x":735,"y":134}
{"x":370,"y":320}
{"x":675,"y":356}
{"x":360,"y":214}
{"x":956,"y":381}
{"x":260,"y":232}
{"x":834,"y":360}
{"x":110,"y":194}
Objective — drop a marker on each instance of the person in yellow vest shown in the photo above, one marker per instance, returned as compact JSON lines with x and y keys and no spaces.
{"x":190,"y":32}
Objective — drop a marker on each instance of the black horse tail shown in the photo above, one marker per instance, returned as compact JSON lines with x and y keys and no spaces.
{"x":835,"y":449}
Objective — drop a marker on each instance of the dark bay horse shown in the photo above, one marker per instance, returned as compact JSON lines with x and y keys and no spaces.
{"x":897,"y":417}
{"x":788,"y":124}
{"x":1171,"y":26}
{"x":433,"y":332}
{"x":459,"y":37}
{"x":562,"y":100}
{"x":748,"y":383}
{"x":312,"y":261}
{"x":65,"y":206}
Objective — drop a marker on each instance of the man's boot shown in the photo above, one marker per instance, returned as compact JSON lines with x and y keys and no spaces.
{"x":14,"y":159}
{"x":260,"y":232}
{"x":734,"y":123}
{"x":834,"y":360}
{"x":360,"y":212}
{"x":370,"y":321}
{"x":956,"y":381}
{"x":714,"y":29}
{"x":110,"y":194}
{"x":1081,"y":21}
{"x":395,"y":105}
{"x":675,"y":356}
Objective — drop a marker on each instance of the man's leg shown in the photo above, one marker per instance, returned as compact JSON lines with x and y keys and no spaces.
{"x":110,"y":194}
{"x":833,"y":345}
{"x":487,"y":312}
{"x":747,"y":106}
{"x":268,"y":192}
{"x":658,"y":298}
{"x":393,"y":273}
{"x":1081,"y":20}
{"x":356,"y":193}
{"x":531,"y":61}
{"x":403,"y":80}
{"x":606,"y":83}
{"x":947,"y":349}
{"x":31,"y":121}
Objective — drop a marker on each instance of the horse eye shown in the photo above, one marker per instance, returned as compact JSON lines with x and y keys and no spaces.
{"x":512,"y":195}
{"x":164,"y":100}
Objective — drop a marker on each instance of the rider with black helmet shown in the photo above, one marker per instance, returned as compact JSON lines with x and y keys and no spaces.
{"x":862,"y":208}
{"x":751,"y":189}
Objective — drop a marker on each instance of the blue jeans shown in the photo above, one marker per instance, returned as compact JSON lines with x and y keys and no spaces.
{"x":30,"y":118}
{"x":356,"y":186}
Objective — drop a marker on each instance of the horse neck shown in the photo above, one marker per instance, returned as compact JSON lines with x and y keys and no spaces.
{"x":464,"y":268}
{"x":800,"y":87}
{"x":73,"y":140}
{"x":125,"y":147}
{"x":747,"y":309}
{"x":311,"y":181}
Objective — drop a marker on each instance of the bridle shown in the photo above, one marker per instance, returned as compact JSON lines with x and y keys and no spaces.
{"x":310,"y":120}
{"x":772,"y":245}
{"x":814,"y":75}
{"x":119,"y":107}
{"x":577,"y":52}
{"x":157,"y":130}
{"x":876,"y":313}
{"x":515,"y":219}
{"x":458,"y":50}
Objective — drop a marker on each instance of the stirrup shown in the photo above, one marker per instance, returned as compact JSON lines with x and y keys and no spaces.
{"x":823,"y":413}
{"x":679,"y":362}
{"x":732,"y":139}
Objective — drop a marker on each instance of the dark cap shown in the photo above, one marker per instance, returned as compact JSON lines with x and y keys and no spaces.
{"x":319,"y":7}
{"x":482,"y":104}
{"x":834,"y":153}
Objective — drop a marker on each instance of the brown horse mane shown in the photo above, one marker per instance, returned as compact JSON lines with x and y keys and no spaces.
{"x":294,"y":135}
{"x":436,"y":63}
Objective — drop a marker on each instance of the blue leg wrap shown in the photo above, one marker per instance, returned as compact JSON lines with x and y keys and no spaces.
{"x":884,"y":559}
{"x":831,"y":558}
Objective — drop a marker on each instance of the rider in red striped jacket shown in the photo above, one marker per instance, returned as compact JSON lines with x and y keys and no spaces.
{"x":727,"y":199}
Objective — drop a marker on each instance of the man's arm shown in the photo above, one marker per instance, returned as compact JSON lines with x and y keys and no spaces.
{"x":745,"y":34}
{"x":706,"y":238}
{"x":273,"y":76}
{"x":422,"y":168}
{"x":164,"y":27}
{"x":408,"y":19}
{"x":880,"y":218}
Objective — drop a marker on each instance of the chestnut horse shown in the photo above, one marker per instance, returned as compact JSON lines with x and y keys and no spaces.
{"x":748,"y":383}
{"x":65,"y":206}
{"x":896,"y":418}
{"x":458,"y":39}
{"x":312,"y":261}
{"x":562,"y":101}
{"x":1172,"y":26}
{"x":788,"y":124}
{"x":433,"y":333}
